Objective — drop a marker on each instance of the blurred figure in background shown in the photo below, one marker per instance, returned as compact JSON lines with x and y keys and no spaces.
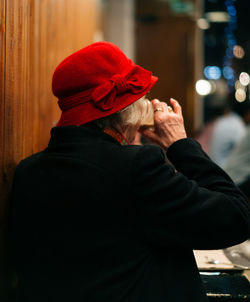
{"x":237,"y":164}
{"x":205,"y":134}
{"x":227,"y":131}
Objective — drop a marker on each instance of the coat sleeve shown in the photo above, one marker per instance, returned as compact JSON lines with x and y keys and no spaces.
{"x":194,"y":204}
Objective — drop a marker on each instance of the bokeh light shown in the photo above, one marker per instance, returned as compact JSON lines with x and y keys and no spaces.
{"x":217,"y":16}
{"x":212,"y":72}
{"x":238,"y":85}
{"x":240,"y":95}
{"x":244,"y":78}
{"x":228,"y":72}
{"x":202,"y":23}
{"x":203,"y":87}
{"x":238,"y":52}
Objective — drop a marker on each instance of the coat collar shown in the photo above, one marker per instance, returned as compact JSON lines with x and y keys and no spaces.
{"x":77,"y":134}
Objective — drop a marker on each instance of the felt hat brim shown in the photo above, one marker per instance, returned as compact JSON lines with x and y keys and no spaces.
{"x":88,"y":111}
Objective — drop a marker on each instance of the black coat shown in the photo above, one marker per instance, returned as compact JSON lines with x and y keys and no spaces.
{"x":97,"y":221}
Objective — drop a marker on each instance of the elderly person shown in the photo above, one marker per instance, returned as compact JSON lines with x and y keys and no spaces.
{"x":98,"y":219}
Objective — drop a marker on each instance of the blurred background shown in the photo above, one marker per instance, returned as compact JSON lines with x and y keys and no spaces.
{"x":199,"y":49}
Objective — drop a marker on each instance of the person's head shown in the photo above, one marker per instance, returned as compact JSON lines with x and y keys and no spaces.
{"x":129,"y":119}
{"x":99,"y":83}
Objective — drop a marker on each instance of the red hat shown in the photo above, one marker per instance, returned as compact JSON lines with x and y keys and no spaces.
{"x":97,"y":81}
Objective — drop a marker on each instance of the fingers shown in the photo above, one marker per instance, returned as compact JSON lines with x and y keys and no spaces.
{"x":160,"y":107}
{"x":168,"y":124}
{"x":156,"y":105}
{"x":176,"y":106}
{"x":155,"y":101}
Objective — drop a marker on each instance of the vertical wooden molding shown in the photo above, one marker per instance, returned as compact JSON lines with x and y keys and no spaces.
{"x":35,"y":35}
{"x":3,"y":285}
{"x":166,"y":44}
{"x":2,"y":96}
{"x":199,"y":53}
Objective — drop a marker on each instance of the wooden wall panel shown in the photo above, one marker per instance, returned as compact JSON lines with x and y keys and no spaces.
{"x":39,"y":34}
{"x":167,"y":45}
{"x":2,"y":91}
{"x":2,"y":79}
{"x":35,"y":36}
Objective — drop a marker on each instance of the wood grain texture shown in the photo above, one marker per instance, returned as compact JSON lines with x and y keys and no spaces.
{"x":166,"y":44}
{"x":2,"y":88}
{"x":36,"y":35}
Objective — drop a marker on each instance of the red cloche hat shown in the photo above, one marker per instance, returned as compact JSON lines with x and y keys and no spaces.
{"x":97,"y":81}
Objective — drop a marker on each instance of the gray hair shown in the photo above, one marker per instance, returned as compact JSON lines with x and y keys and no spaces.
{"x":132,"y":115}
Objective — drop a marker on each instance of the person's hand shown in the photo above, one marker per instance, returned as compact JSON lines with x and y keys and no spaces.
{"x":168,"y":124}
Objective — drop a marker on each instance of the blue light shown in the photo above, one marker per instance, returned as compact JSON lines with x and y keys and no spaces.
{"x":227,"y":70}
{"x":212,"y":72}
{"x":231,"y":10}
{"x":228,"y":73}
{"x":231,"y":43}
{"x":233,"y":19}
{"x":229,"y":34}
{"x":231,"y":82}
{"x":229,"y":53}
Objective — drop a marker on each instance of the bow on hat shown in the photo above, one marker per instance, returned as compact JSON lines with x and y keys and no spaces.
{"x":136,"y":81}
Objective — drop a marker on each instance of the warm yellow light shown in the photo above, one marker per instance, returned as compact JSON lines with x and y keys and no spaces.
{"x":202,"y":23}
{"x":203,"y":87}
{"x":244,"y":78}
{"x":238,"y":52}
{"x":217,"y":16}
{"x":238,"y":85}
{"x":240,"y":95}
